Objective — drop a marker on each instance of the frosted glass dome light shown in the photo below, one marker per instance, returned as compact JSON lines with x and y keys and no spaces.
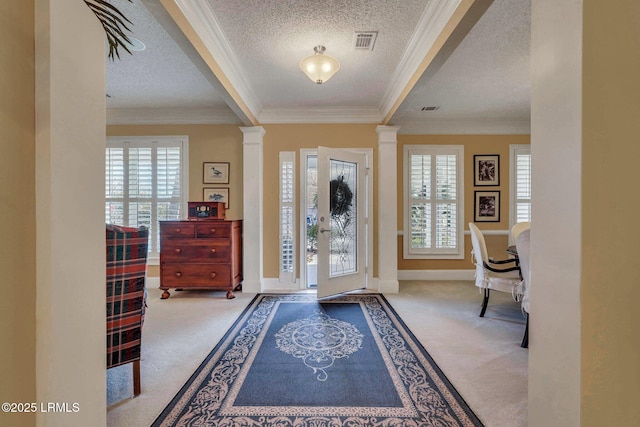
{"x":319,"y":67}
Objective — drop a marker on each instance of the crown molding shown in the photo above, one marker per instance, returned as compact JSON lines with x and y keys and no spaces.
{"x":162,"y":14}
{"x":205,"y":24}
{"x":157,"y":116}
{"x":321,"y":115}
{"x":477,"y":127}
{"x":432,"y":22}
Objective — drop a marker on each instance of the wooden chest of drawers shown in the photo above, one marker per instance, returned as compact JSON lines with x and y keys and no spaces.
{"x":200,"y":255}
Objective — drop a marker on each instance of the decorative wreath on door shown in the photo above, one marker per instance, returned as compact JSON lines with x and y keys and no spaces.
{"x":341,"y":197}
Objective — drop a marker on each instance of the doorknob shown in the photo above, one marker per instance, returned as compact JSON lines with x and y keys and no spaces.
{"x":323,"y":230}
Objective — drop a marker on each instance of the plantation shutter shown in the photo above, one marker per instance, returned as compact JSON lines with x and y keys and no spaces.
{"x":523,"y":186}
{"x":433,"y":202}
{"x":287,"y":217}
{"x":144,"y":183}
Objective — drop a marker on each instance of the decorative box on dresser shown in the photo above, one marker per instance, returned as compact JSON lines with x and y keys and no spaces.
{"x":200,"y":254}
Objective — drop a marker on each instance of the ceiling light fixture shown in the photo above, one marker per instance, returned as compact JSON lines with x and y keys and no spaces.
{"x":137,"y":44}
{"x":134,"y":44}
{"x":319,"y":67}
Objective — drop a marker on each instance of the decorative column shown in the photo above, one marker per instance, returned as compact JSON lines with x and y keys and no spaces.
{"x":387,"y":211}
{"x":69,"y":156}
{"x":252,"y":214}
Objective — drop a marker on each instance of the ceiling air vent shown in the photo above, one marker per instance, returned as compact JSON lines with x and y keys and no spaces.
{"x":429,"y":108}
{"x":364,"y":40}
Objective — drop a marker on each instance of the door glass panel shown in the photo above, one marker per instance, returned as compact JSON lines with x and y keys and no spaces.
{"x":343,"y":193}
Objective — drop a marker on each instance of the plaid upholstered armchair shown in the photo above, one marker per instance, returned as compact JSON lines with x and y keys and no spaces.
{"x":126,"y":271}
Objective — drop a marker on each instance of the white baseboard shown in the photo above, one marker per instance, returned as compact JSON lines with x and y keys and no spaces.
{"x":388,"y":286}
{"x":270,"y":284}
{"x":436,"y":274}
{"x":252,"y":286}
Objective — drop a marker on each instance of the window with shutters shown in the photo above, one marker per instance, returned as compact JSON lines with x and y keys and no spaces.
{"x":287,"y":217}
{"x":146,"y":182}
{"x":520,"y":188}
{"x":433,"y":199}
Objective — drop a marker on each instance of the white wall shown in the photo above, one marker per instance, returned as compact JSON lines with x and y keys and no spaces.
{"x":556,"y":148}
{"x":70,"y":236}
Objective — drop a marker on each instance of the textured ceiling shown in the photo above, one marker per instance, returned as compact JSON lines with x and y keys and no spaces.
{"x":166,"y":82}
{"x":484,"y":84}
{"x":159,"y":76}
{"x":480,"y":81}
{"x":270,"y":37}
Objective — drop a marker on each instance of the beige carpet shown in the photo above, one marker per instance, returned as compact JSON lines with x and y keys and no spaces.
{"x":481,"y":357}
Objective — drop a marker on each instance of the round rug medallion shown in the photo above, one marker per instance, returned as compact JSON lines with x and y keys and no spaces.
{"x":318,"y":340}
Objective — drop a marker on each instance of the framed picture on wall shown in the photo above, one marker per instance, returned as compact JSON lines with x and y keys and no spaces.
{"x":486,"y":169}
{"x":216,"y":195}
{"x":215,"y":173}
{"x":486,"y":206}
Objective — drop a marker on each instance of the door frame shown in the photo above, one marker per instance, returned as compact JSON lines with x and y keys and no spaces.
{"x":302,"y":218}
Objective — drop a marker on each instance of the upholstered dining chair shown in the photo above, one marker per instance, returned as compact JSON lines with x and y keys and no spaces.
{"x":522,"y":246}
{"x":488,"y":276}
{"x":518,"y":228}
{"x":126,"y":271}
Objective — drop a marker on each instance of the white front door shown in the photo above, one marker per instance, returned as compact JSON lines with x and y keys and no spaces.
{"x":342,"y":214}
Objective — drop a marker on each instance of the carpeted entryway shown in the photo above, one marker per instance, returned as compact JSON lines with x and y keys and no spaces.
{"x":291,"y":360}
{"x":481,"y":357}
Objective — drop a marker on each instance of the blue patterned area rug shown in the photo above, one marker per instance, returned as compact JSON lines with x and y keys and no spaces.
{"x":291,"y":360}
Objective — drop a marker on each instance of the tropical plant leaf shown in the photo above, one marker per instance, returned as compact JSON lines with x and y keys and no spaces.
{"x":114,"y":24}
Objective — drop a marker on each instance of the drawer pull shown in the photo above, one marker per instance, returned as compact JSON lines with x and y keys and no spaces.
{"x":178,"y":274}
{"x":213,"y":251}
{"x":178,"y":230}
{"x":213,"y":231}
{"x":178,"y":250}
{"x":213,"y":275}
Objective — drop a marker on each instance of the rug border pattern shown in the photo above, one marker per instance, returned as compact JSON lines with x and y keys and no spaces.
{"x":393,"y":339}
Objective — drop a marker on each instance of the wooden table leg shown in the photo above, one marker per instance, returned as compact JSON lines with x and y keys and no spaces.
{"x":136,"y":377}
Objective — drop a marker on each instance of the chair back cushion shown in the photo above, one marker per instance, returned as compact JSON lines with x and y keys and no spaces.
{"x":479,"y":246}
{"x":126,"y":270}
{"x":523,"y":248}
{"x":499,"y":281}
{"x":479,"y":254}
{"x":518,"y":228}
